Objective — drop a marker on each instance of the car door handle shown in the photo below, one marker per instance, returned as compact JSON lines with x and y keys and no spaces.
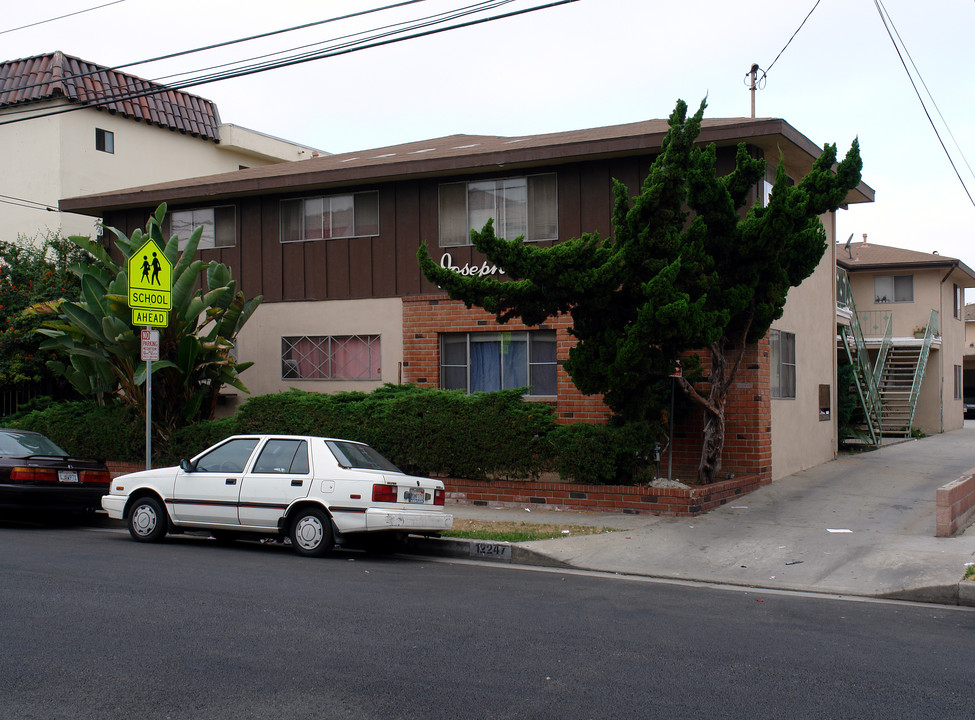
{"x":297,"y":483}
{"x":231,"y":481}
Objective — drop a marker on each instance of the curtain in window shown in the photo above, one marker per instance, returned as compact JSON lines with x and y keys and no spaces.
{"x":485,"y":365}
{"x":514,"y":360}
{"x":313,"y":212}
{"x":543,"y":208}
{"x":309,"y":357}
{"x":453,"y":215}
{"x":356,"y":358}
{"x":341,"y":215}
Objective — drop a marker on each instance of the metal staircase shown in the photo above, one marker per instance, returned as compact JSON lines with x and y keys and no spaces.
{"x":900,"y":382}
{"x":888,"y":387}
{"x":864,"y":372}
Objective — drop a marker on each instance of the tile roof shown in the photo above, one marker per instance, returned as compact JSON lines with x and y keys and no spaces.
{"x":465,"y":154}
{"x":56,"y":75}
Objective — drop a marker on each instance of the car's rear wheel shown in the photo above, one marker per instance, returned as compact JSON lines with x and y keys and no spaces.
{"x":147,"y":520}
{"x":311,"y":533}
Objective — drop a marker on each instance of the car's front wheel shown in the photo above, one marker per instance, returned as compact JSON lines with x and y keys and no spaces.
{"x":311,"y":533}
{"x":147,"y":520}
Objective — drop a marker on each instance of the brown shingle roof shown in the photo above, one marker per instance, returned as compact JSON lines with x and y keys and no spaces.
{"x":867,"y":256}
{"x":467,"y":154}
{"x":56,"y":75}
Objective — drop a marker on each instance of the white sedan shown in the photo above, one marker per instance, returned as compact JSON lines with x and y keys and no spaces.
{"x":315,"y":491}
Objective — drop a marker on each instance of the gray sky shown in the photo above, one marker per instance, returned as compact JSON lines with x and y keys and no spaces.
{"x":585,"y":64}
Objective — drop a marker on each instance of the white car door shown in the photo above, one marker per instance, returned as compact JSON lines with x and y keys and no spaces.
{"x":211,"y":493}
{"x":281,"y":474}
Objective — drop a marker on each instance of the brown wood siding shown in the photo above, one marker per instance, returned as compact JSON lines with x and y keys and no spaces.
{"x":406,"y":233}
{"x":382,"y":268}
{"x":385,"y":265}
{"x":248,"y":272}
{"x":270,"y":265}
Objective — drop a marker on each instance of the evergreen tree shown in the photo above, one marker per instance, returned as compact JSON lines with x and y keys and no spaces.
{"x":686,"y":269}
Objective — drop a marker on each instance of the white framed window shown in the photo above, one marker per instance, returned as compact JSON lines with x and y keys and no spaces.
{"x":783,"y":363}
{"x":331,"y":216}
{"x":331,"y":357}
{"x":105,"y":141}
{"x":959,"y":384}
{"x":520,"y":206}
{"x":219,"y":226}
{"x":893,"y":288}
{"x":959,"y":302}
{"x":489,"y":361}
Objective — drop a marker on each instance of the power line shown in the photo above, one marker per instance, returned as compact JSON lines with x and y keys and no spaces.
{"x":308,"y":57}
{"x":59,"y":17}
{"x":214,"y":46}
{"x":885,"y":18}
{"x":21,"y":202}
{"x":766,"y":72}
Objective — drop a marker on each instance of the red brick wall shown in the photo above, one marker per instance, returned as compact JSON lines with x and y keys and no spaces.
{"x":426,"y":316}
{"x":682,"y":502}
{"x":748,"y":418}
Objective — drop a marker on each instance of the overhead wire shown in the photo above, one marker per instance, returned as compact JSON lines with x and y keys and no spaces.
{"x":888,"y":25}
{"x":789,"y":42}
{"x":106,"y":99}
{"x":60,"y":17}
{"x":226,"y":43}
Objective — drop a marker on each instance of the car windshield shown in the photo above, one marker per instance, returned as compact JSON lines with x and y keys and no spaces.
{"x":19,"y":444}
{"x":357,"y":455}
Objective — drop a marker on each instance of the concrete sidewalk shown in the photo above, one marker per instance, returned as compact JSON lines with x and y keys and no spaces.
{"x":859,"y":525}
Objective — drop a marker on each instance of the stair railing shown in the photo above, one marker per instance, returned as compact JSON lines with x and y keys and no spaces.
{"x":922,"y":363}
{"x":864,"y":377}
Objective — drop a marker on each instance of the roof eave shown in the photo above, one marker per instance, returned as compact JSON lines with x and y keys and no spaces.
{"x":773,"y":135}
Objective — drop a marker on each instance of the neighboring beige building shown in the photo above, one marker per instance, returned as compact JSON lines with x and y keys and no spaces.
{"x":70,"y":127}
{"x":910,"y":310}
{"x":968,"y":373}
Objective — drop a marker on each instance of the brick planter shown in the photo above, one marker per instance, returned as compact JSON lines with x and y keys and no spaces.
{"x":682,"y":502}
{"x":120,"y":468}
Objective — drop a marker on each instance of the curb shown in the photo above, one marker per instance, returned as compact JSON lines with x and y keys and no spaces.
{"x":484,"y":550}
{"x":962,"y":594}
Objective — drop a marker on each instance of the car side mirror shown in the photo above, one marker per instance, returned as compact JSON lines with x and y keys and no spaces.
{"x":187,"y":466}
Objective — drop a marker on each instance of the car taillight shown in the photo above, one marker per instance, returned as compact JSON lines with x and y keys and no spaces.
{"x":439,"y":496}
{"x":30,"y":474}
{"x":384,"y":493}
{"x":95,"y":476}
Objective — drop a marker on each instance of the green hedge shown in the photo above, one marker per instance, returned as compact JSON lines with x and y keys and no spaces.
{"x":85,"y":429}
{"x":424,"y":431}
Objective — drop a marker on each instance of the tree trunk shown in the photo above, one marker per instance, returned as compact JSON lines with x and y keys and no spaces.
{"x":712,"y":443}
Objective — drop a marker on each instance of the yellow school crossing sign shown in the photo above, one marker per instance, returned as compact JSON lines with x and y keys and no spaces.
{"x":150,"y":286}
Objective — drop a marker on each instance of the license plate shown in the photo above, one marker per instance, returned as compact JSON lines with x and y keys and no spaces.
{"x":67,"y":476}
{"x":416,"y":496}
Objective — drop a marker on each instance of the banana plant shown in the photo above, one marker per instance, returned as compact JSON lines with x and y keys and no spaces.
{"x":195,"y":349}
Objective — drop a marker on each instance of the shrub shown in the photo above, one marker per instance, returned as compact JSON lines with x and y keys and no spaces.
{"x":424,"y":431}
{"x":83,"y":428}
{"x":601,"y":454}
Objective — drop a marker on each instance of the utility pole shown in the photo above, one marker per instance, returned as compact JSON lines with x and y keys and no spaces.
{"x":753,"y":87}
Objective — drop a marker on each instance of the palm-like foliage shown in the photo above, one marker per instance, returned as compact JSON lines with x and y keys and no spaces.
{"x":195,"y":353}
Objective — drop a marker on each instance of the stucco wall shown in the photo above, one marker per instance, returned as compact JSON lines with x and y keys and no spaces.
{"x":55,"y":157}
{"x":800,"y":438}
{"x":260,"y":340}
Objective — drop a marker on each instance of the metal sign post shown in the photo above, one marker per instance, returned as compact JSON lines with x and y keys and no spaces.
{"x":150,"y":352}
{"x":150,"y":275}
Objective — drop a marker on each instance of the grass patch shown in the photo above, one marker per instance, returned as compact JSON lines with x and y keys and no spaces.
{"x":517,"y":531}
{"x":970,"y":572}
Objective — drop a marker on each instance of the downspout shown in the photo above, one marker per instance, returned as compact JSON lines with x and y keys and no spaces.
{"x":941,"y":360}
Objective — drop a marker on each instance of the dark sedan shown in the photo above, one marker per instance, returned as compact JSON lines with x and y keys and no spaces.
{"x":37,"y":474}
